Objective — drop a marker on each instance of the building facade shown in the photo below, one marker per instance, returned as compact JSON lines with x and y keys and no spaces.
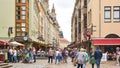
{"x":28,"y":22}
{"x":7,"y":20}
{"x":99,"y":21}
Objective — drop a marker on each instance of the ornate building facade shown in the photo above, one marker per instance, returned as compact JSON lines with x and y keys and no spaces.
{"x":29,"y":22}
{"x":96,"y":23}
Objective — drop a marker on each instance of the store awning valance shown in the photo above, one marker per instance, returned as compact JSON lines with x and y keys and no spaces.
{"x":4,"y":43}
{"x":106,"y":41}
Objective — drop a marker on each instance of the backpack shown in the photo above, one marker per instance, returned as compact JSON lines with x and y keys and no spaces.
{"x":86,"y":57}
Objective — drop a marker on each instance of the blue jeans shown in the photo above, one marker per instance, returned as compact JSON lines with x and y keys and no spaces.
{"x":11,"y":58}
{"x":98,"y":63}
{"x":58,"y":58}
{"x":50,"y":58}
{"x":15,"y":58}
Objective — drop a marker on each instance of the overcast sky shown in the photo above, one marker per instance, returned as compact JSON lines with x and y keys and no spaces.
{"x":64,"y":10}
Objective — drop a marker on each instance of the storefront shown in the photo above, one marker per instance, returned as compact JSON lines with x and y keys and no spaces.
{"x":3,"y":50}
{"x":107,"y":44}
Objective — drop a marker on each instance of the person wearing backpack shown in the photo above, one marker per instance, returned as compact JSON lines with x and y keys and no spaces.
{"x":98,"y":56}
{"x":92,"y":61}
{"x":65,"y":55}
{"x":81,"y":58}
{"x":86,"y":58}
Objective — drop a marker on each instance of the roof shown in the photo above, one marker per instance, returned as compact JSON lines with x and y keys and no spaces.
{"x":63,"y":40}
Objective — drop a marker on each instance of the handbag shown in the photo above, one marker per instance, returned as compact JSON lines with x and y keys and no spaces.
{"x":75,"y":61}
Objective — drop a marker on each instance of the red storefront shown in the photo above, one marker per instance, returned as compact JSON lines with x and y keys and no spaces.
{"x":107,"y":43}
{"x":3,"y":47}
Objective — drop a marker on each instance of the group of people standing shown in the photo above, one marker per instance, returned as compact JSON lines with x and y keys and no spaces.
{"x":25,"y":55}
{"x":80,"y":57}
{"x":58,"y":54}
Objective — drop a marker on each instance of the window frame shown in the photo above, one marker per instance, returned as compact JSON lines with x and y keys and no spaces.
{"x":107,"y":10}
{"x":23,"y":1}
{"x":114,"y":15}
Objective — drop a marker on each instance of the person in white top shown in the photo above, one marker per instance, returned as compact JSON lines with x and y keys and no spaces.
{"x":58,"y":55}
{"x":11,"y":54}
{"x":34,"y":54}
{"x":15,"y":55}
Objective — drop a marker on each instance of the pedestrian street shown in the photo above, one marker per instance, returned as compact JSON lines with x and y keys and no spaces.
{"x":42,"y":63}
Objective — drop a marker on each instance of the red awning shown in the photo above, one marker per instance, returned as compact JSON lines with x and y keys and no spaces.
{"x":4,"y":43}
{"x":106,"y":41}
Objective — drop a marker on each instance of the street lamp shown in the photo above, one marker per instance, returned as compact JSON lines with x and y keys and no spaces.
{"x":25,"y":38}
{"x":88,"y":34}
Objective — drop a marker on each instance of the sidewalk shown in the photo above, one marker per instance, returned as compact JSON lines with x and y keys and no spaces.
{"x":42,"y":63}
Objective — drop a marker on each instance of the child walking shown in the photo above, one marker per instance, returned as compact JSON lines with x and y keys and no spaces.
{"x":92,"y":61}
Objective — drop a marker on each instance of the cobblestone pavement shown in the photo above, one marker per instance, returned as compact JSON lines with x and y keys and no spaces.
{"x":43,"y":64}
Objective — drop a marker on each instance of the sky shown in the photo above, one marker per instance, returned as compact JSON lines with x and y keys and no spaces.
{"x":64,"y":10}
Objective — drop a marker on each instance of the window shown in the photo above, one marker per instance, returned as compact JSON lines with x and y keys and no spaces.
{"x":23,"y":1}
{"x":23,"y":17}
{"x":18,"y":17}
{"x":79,"y":13}
{"x":18,"y":1}
{"x":18,"y":34}
{"x":23,"y":29}
{"x":116,"y":14}
{"x":85,"y":3}
{"x":18,"y":8}
{"x":23,"y":34}
{"x":23,"y":7}
{"x":107,"y":13}
{"x":23,"y":12}
{"x":18,"y":29}
{"x":18,"y":24}
{"x":23,"y":24}
{"x":18,"y":12}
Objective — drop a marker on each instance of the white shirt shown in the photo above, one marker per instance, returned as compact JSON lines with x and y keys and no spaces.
{"x":14,"y":53}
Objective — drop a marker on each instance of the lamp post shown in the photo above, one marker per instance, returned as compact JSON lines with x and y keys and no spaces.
{"x":26,"y":40}
{"x":88,"y":34}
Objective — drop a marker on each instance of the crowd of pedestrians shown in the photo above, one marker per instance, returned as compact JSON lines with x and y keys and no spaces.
{"x":79,"y":57}
{"x":25,"y":55}
{"x":58,"y":55}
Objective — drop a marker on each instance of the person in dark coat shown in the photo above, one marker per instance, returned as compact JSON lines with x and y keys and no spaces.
{"x":98,"y":56}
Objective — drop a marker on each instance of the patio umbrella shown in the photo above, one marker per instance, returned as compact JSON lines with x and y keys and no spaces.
{"x":14,"y":43}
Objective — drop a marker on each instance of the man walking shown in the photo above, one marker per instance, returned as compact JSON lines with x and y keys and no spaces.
{"x":98,"y":56}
